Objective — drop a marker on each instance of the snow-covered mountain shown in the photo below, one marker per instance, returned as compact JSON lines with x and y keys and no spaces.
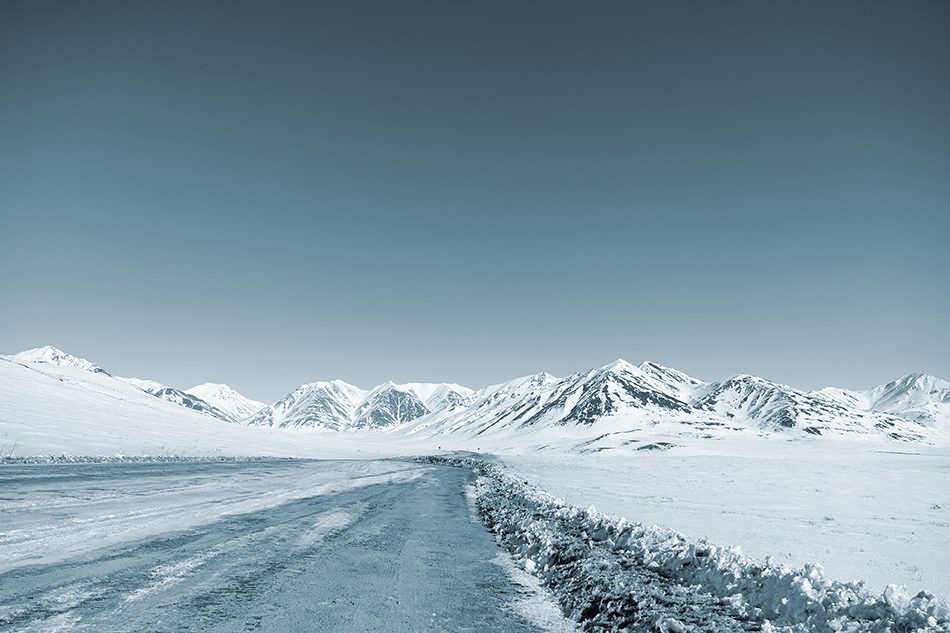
{"x":772,"y":406}
{"x":184,"y":399}
{"x":49,"y":355}
{"x":234,"y":404}
{"x":616,"y":388}
{"x":919,"y":398}
{"x":622,"y":398}
{"x":48,"y":409}
{"x":142,"y":383}
{"x":619,"y":398}
{"x":52,"y":356}
{"x":439,"y":396}
{"x":910,"y":392}
{"x":338,"y":406}
{"x":388,"y":405}
{"x":328,"y":405}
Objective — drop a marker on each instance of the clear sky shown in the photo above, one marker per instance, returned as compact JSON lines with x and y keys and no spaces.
{"x":266,"y":194}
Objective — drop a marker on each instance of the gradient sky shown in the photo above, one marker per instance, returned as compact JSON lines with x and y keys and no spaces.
{"x":266,"y":194}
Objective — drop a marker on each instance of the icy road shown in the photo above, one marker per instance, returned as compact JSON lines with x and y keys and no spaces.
{"x":262,"y":546}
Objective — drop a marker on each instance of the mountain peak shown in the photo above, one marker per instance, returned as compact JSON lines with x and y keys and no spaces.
{"x":620,"y":365}
{"x":208,"y":386}
{"x":230,"y":401}
{"x":911,"y":391}
{"x":668,"y":373}
{"x":54,"y":356}
{"x":921,"y":380}
{"x":336,"y":383}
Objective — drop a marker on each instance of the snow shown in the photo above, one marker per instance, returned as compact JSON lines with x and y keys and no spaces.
{"x":612,"y":574}
{"x":51,"y":355}
{"x":622,"y":396}
{"x":142,"y":383}
{"x":50,"y":409}
{"x":913,"y":408}
{"x":228,"y":400}
{"x":909,"y":392}
{"x":437,"y":396}
{"x":863,"y":510}
{"x":49,"y":521}
{"x":533,"y":602}
{"x":864,"y":501}
{"x":340,"y":406}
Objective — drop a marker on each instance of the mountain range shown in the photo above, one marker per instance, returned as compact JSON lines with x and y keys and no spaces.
{"x":616,"y":400}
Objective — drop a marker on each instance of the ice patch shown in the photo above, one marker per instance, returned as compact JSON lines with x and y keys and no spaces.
{"x":165,"y":576}
{"x":325,"y":524}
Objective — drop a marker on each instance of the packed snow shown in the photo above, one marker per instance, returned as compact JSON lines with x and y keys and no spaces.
{"x":253,"y":545}
{"x":51,"y":518}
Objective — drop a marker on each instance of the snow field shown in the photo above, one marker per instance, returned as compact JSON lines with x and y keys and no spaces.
{"x":868,"y":511}
{"x":611,"y":575}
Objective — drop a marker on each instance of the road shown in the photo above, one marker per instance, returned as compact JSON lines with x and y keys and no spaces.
{"x":256,"y":546}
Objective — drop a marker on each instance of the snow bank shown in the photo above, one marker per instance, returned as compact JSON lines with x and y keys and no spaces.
{"x":612,"y":575}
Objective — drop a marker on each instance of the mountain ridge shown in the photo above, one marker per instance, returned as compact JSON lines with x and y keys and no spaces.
{"x":640,"y":396}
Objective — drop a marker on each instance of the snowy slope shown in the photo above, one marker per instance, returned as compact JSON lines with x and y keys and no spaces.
{"x":234,"y":404}
{"x":614,"y":389}
{"x":52,"y":356}
{"x":328,"y":405}
{"x":623,"y":398}
{"x":491,"y":410}
{"x":339,"y":406}
{"x":142,"y":383}
{"x":909,"y":392}
{"x":771,"y":406}
{"x":437,"y":396}
{"x":183,"y":399}
{"x":48,"y":409}
{"x":388,"y":405}
{"x":49,"y":355}
{"x":918,"y":398}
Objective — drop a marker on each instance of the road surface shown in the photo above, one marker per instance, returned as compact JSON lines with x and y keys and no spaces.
{"x":249,"y":546}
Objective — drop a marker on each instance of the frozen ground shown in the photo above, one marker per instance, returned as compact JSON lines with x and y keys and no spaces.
{"x":264,"y":546}
{"x":878,"y":512}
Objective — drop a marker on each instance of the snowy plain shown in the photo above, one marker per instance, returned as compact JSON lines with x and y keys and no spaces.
{"x":864,"y":511}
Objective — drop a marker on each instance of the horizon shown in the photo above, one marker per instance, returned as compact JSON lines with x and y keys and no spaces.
{"x":476,"y":388}
{"x":253,"y":195}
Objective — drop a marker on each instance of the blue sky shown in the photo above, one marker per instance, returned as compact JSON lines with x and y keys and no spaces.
{"x":259,"y":195}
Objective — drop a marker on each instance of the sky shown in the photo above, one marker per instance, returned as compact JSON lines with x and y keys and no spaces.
{"x":266,"y":194}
